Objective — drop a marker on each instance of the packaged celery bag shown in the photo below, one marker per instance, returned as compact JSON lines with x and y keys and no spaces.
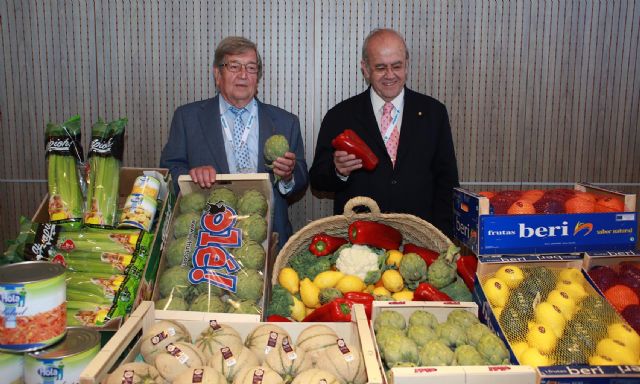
{"x":64,"y":157}
{"x":105,"y":157}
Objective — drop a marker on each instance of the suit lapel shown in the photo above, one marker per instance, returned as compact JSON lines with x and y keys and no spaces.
{"x":371,"y":132}
{"x":266,"y":130}
{"x":212,"y":131}
{"x":409,"y":123}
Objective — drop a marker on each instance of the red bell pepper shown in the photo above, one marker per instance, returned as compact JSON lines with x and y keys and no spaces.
{"x":323,"y":244}
{"x":363,"y":298}
{"x":467,"y":266}
{"x":278,"y":319}
{"x":427,"y":255}
{"x":374,"y":234}
{"x":337,"y":310}
{"x":351,"y":143}
{"x":427,"y":292}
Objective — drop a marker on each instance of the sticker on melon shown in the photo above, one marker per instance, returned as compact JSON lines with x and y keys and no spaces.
{"x":264,"y":339}
{"x":241,"y":356}
{"x":287,"y":361}
{"x":177,"y":358}
{"x":217,"y":336}
{"x":159,"y":335}
{"x":345,"y":362}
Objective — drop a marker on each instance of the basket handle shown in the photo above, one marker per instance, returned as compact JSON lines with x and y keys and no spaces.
{"x":361,"y":201}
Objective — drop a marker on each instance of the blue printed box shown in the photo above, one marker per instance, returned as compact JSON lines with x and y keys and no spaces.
{"x":488,"y":234}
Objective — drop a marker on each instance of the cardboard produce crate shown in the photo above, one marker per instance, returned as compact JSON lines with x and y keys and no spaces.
{"x":124,"y":346}
{"x":449,"y":374}
{"x":238,"y":183}
{"x":164,"y":210}
{"x":487,"y":234}
{"x":566,"y":374}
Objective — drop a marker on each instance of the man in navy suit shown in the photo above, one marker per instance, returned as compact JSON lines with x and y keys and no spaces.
{"x":409,"y":133}
{"x":226,"y":134}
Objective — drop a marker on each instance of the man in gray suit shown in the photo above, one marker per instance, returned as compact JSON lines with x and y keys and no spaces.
{"x":226,"y":134}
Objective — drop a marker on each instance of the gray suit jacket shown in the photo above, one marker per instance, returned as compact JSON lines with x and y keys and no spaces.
{"x":196,"y":139}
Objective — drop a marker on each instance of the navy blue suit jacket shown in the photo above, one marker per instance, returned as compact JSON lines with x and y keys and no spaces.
{"x":425,"y":174}
{"x":196,"y":139}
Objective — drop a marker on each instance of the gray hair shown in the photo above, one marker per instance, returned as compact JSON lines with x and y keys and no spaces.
{"x":376,"y":32}
{"x":234,"y":45}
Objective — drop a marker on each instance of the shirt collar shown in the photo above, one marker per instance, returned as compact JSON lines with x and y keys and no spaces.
{"x":377,"y":102}
{"x":225,"y":105}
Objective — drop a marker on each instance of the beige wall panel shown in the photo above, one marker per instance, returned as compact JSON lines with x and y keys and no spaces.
{"x":540,"y":93}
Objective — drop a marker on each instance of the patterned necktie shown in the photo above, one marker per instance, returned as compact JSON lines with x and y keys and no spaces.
{"x":241,"y":149}
{"x":385,"y":123}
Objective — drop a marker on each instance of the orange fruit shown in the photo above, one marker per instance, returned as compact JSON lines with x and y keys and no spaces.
{"x":609,"y":204}
{"x":487,"y":194}
{"x":532,"y":195}
{"x":579,"y":205}
{"x":586,"y":196}
{"x":521,"y":207}
{"x":621,"y":296}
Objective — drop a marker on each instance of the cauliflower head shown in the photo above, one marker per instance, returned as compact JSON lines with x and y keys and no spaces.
{"x":357,"y":260}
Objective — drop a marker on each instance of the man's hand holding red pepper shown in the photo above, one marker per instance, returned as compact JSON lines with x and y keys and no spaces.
{"x":284,"y":166}
{"x":346,"y":163}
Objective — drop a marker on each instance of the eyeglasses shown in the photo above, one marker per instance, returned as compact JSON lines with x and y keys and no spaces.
{"x":235,"y":67}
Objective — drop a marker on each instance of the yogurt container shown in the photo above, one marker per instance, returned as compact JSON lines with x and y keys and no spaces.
{"x":33,"y":312}
{"x":65,"y":361}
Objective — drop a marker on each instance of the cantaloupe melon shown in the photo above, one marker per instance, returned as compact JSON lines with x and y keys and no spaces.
{"x":315,"y":376}
{"x":216,"y":336}
{"x":159,"y":335}
{"x":261,"y":374}
{"x":135,"y":373}
{"x":315,"y":339}
{"x":288,"y":360}
{"x":265,"y":339}
{"x":346,"y":363}
{"x":230,"y":362}
{"x":177,"y":358}
{"x":202,"y":375}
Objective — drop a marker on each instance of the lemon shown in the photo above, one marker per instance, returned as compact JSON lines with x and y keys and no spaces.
{"x":541,"y":338}
{"x":617,"y":350}
{"x":551,"y":316}
{"x":403,"y":296}
{"x":309,"y":293}
{"x":620,"y":331}
{"x":497,"y":291}
{"x":511,"y":275}
{"x":327,"y":279}
{"x":350,"y":283}
{"x":533,"y":358}
{"x":392,"y":280}
{"x":571,"y":274}
{"x":575,"y":289}
{"x":288,"y":278}
{"x":393,"y":257}
{"x":602,"y":360}
{"x":298,"y":310}
{"x":381,"y":291}
{"x":518,"y":348}
{"x":564,"y":301}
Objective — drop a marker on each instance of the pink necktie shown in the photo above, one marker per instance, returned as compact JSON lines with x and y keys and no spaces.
{"x":385,"y":123}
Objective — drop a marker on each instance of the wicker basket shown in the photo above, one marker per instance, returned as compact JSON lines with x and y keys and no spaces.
{"x":414,"y":230}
